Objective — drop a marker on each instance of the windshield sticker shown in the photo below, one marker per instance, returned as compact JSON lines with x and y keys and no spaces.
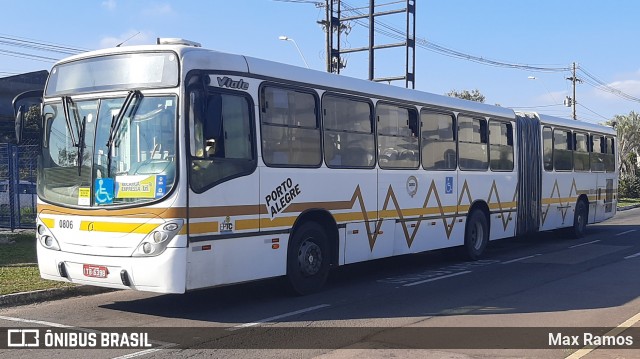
{"x":104,"y":190}
{"x":161,"y":185}
{"x":141,"y":186}
{"x":84,"y":196}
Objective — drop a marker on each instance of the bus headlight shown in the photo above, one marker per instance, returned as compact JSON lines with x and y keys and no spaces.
{"x":46,"y":238}
{"x":147,"y":248}
{"x":156,"y":242}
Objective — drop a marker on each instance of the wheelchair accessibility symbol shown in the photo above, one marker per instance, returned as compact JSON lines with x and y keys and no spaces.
{"x":104,"y":190}
{"x":448,"y":189}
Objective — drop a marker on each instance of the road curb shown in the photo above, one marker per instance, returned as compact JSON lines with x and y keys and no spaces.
{"x":628,"y":207}
{"x":16,"y":299}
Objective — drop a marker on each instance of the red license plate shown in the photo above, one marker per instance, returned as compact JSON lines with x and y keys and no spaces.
{"x":90,"y":270}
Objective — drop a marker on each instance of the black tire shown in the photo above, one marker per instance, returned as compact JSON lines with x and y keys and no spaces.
{"x":308,"y":257}
{"x":580,"y":218}
{"x":476,"y":235}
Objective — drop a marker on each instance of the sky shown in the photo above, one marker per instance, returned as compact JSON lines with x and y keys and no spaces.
{"x":600,"y":36}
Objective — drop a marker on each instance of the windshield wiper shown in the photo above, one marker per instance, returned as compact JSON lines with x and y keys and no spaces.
{"x":66,"y":100}
{"x":116,"y":122}
{"x":81,"y":144}
{"x":67,"y":103}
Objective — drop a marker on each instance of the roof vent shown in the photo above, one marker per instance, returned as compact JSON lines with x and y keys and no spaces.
{"x":176,"y":41}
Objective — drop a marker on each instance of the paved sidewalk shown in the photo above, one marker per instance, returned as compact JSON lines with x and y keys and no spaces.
{"x":43,"y":295}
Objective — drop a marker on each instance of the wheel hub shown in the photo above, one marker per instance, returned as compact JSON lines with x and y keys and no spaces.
{"x":309,"y":258}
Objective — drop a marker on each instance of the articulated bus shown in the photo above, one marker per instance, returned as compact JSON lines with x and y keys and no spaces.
{"x":168,"y":168}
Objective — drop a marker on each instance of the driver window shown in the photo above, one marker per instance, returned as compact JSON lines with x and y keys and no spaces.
{"x":223,"y":139}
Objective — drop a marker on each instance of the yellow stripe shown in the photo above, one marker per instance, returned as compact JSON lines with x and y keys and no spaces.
{"x":504,"y":205}
{"x":49,"y":222}
{"x":558,"y":200}
{"x":277,"y":222}
{"x":247,"y":224}
{"x":612,"y":333}
{"x":203,"y":227}
{"x":141,"y":228}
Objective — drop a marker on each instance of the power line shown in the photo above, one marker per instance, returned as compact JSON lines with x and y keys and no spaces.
{"x":592,"y":111}
{"x":40,"y":45}
{"x":602,"y":86}
{"x":27,"y":56}
{"x":539,"y":106}
{"x":440,"y":49}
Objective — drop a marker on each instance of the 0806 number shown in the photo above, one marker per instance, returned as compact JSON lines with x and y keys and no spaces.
{"x":65,"y":223}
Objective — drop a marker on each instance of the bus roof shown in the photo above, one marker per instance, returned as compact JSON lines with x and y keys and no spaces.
{"x":564,"y":122}
{"x":199,"y":58}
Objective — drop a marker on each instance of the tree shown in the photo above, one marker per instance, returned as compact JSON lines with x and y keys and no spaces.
{"x":628,"y":146}
{"x":474,"y":95}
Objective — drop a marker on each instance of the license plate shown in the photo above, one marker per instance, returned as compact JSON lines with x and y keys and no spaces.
{"x":90,"y":270}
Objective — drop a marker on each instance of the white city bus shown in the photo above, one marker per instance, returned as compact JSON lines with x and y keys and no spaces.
{"x":169,"y":167}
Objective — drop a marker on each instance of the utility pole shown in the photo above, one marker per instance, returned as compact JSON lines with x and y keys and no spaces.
{"x":335,"y":23}
{"x":572,"y":100}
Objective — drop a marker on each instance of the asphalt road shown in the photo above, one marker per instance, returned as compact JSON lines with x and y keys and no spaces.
{"x":522,"y":290}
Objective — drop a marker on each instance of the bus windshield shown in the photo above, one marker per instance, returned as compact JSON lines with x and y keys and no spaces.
{"x":80,"y":168}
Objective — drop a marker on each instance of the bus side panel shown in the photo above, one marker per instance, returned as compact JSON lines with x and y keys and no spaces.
{"x":223,"y":234}
{"x":434,"y":203}
{"x":351,"y":196}
{"x":606,"y":202}
{"x":586,"y":183}
{"x":553,"y":191}
{"x":235,"y":260}
{"x":502,"y":201}
{"x":560,"y":193}
{"x":498,"y":191}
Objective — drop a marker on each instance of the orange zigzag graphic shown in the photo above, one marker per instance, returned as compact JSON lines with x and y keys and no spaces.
{"x":433,"y":191}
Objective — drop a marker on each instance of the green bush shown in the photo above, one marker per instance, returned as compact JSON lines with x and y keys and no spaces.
{"x":629,"y":187}
{"x":27,"y":215}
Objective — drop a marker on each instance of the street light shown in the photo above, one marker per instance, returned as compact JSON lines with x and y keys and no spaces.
{"x":285,"y":38}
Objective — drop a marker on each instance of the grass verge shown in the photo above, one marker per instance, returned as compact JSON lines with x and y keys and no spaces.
{"x":628,"y":201}
{"x":18,"y":271}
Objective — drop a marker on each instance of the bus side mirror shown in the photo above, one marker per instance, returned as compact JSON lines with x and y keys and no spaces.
{"x":21,"y":105}
{"x":19,"y":123}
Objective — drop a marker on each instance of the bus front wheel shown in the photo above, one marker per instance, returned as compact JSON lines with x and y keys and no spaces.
{"x":308,"y":259}
{"x":476,"y":235}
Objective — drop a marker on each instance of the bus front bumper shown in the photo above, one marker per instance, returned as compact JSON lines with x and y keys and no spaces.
{"x":164,"y":273}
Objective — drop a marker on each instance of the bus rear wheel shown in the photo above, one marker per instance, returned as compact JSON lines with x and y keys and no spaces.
{"x":579,"y":220}
{"x":308,"y":259}
{"x":476,"y":235}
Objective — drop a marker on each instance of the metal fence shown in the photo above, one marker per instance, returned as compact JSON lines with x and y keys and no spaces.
{"x":18,"y":165}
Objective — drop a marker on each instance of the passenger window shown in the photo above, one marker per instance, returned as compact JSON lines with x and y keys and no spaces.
{"x":597,"y":153}
{"x":562,"y":150}
{"x":581,"y":153}
{"x":610,"y":155}
{"x":397,"y":137}
{"x":501,"y":145}
{"x":547,"y":148}
{"x":438,"y":141}
{"x":348,"y":133}
{"x":472,"y":143}
{"x":290,"y":129}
